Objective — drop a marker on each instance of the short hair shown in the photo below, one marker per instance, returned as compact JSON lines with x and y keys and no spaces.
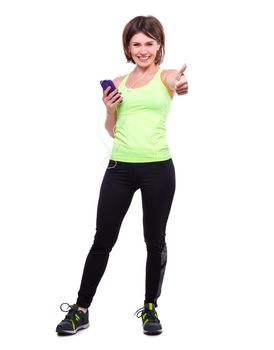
{"x":151,"y":27}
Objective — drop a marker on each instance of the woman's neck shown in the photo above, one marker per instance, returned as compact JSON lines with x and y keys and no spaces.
{"x":148,"y":70}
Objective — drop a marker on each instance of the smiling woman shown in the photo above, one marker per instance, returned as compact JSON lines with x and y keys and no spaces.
{"x":140,"y":159}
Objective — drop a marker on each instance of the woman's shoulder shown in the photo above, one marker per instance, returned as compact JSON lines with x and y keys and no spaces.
{"x":166,"y":72}
{"x":117,"y":81}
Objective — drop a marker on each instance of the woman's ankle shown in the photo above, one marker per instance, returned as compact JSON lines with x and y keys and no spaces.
{"x":82,"y":309}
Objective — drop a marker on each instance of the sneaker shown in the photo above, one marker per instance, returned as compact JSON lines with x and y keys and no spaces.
{"x":151,"y":322}
{"x":74,"y":321}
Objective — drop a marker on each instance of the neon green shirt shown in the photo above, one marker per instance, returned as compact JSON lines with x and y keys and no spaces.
{"x":140,"y":131}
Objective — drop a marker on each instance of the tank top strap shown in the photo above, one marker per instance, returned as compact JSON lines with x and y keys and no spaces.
{"x":159,"y":71}
{"x":158,"y":75}
{"x":123,"y":82}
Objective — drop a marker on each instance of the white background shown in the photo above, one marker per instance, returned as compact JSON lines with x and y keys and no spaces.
{"x":218,"y":288}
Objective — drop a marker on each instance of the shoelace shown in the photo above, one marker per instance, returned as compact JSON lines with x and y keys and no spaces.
{"x":150,"y":314}
{"x":70,"y":309}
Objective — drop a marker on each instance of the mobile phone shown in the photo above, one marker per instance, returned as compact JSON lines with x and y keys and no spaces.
{"x":106,"y":83}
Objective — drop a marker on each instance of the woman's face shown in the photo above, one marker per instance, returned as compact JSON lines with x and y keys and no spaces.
{"x":143,"y":49}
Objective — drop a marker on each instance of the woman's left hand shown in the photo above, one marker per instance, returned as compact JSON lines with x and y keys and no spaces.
{"x":181,"y":85}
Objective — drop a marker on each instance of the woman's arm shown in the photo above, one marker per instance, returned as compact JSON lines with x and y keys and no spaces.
{"x":111,"y":116}
{"x":110,"y":122}
{"x":175,"y":81}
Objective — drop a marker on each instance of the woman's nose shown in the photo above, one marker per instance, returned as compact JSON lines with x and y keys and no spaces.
{"x":143,"y":49}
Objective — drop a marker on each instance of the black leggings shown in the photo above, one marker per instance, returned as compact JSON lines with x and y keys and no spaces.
{"x":157,"y":183}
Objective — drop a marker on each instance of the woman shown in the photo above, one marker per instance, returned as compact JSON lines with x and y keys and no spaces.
{"x":140,"y":159}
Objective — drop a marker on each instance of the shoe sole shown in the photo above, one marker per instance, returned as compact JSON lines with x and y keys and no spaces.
{"x":153,"y":333}
{"x":75,"y":331}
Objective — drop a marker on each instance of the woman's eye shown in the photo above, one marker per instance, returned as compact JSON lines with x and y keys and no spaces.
{"x":149,"y":44}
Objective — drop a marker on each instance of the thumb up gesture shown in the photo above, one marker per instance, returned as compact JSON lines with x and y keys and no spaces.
{"x":181,"y":86}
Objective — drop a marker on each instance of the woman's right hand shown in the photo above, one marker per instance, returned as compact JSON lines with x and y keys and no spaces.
{"x":111,"y":100}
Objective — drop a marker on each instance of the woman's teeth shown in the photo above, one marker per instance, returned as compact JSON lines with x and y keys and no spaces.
{"x":143,"y":58}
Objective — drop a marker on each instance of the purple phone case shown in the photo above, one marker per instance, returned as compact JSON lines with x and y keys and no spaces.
{"x":106,"y":83}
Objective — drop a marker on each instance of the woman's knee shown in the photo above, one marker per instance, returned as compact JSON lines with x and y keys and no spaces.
{"x":156,"y":247}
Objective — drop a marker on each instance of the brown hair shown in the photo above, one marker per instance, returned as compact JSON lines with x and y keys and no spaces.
{"x":151,"y":27}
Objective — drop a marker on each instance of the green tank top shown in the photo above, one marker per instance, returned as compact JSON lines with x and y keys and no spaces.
{"x":140,"y":131}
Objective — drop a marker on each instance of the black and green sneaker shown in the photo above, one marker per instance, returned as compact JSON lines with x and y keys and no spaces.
{"x":151,"y":322}
{"x":74,"y":321}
